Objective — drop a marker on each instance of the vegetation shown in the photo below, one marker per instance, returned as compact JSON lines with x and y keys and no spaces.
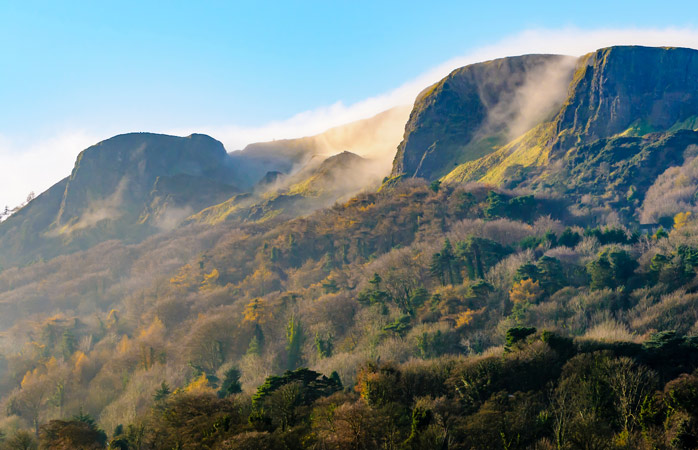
{"x":424,"y":314}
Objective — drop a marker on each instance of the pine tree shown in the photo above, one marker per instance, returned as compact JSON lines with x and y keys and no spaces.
{"x":294,"y":343}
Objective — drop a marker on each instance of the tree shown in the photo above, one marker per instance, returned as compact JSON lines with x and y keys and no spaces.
{"x":478,"y":255}
{"x":681,"y":219}
{"x":444,"y":265}
{"x":73,"y":434}
{"x":525,"y":291}
{"x":612,"y":268}
{"x":21,"y":440}
{"x":631,"y":384}
{"x":294,"y":343}
{"x":569,"y":238}
{"x":231,"y":383}
{"x":68,"y":344}
{"x":162,"y":393}
{"x":324,"y":346}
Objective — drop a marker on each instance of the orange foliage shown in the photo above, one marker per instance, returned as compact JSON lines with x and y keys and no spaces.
{"x":466,"y":317}
{"x":525,"y":291}
{"x":255,"y":311}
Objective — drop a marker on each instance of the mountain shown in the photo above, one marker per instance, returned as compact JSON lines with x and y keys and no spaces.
{"x":627,"y":115}
{"x":135,"y":185}
{"x":631,"y":90}
{"x":511,"y":301}
{"x":127,"y":187}
{"x":318,"y":184}
{"x":375,"y":137}
{"x":478,"y":107}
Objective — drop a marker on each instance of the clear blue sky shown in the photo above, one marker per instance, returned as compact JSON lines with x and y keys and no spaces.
{"x":138,"y":64}
{"x":103,"y":67}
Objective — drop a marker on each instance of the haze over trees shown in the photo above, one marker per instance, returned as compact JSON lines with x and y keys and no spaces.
{"x":533,"y":287}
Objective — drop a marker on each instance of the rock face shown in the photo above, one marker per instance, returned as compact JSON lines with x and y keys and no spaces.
{"x":641,"y":89}
{"x":630,"y":114}
{"x":462,"y":117}
{"x":122,"y":172}
{"x":127,"y":187}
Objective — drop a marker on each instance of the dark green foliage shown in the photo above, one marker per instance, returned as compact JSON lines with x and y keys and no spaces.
{"x":162,"y":393}
{"x":612,"y":268}
{"x":676,"y":269}
{"x":231,"y":383}
{"x":517,"y":208}
{"x":531,"y":242}
{"x":294,"y":343}
{"x":569,"y":238}
{"x":444,"y":265}
{"x":312,"y":386}
{"x":431,"y":345}
{"x":399,"y":326}
{"x":611,"y":235}
{"x":478,"y":255}
{"x":547,"y":271}
{"x":68,"y":345}
{"x":518,"y":334}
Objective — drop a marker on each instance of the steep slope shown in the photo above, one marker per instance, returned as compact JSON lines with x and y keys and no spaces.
{"x":631,"y":113}
{"x":629,"y":89}
{"x":319,"y":184}
{"x":375,"y":137}
{"x":477,"y":108}
{"x":127,"y":187}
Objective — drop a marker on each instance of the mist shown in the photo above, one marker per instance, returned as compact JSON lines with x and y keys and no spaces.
{"x":34,"y":163}
{"x":541,"y":95}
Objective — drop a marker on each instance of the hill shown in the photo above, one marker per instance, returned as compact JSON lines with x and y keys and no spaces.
{"x":127,"y":187}
{"x":510,"y":302}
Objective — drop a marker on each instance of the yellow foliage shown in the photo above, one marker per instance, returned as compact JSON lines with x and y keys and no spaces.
{"x":32,"y":376}
{"x":112,"y":318}
{"x":367,"y":207}
{"x":466,"y":317}
{"x":81,"y":360}
{"x":525,"y":291}
{"x":255,"y":311}
{"x":198,"y":385}
{"x":681,"y":219}
{"x":124,"y":345}
{"x":182,"y":279}
{"x":210,"y":279}
{"x":156,"y":330}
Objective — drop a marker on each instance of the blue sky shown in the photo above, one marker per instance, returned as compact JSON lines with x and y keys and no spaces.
{"x":72,"y":73}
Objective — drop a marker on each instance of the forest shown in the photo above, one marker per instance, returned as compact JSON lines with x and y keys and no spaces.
{"x":424,"y":315}
{"x":524,"y":278}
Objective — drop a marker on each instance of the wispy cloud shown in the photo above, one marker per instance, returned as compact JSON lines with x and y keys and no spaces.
{"x":567,"y":41}
{"x":45,"y":161}
{"x":36,"y":165}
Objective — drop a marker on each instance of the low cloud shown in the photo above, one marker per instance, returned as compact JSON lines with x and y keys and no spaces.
{"x":38,"y":164}
{"x":35,"y":165}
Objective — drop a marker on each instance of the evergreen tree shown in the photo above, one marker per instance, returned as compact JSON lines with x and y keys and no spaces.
{"x":231,"y":383}
{"x":294,"y":343}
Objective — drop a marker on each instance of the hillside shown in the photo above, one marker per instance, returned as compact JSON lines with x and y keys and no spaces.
{"x":133,"y":186}
{"x":629,"y":116}
{"x":495,"y":291}
{"x":127,"y":187}
{"x":477,"y":108}
{"x":375,"y":137}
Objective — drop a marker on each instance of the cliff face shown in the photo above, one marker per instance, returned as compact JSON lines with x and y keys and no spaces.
{"x":127,"y":187}
{"x":630,"y":114}
{"x":633,"y":89}
{"x":467,"y":114}
{"x":121,"y":172}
